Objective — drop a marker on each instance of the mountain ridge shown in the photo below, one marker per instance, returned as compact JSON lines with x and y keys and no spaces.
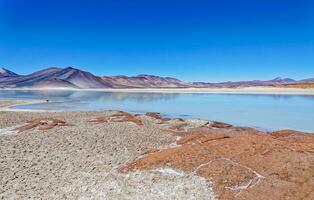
{"x":70,"y":77}
{"x":6,"y":73}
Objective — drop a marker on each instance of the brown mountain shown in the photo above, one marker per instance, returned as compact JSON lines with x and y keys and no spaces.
{"x":57,"y":77}
{"x":144,"y":81}
{"x":54,"y":83}
{"x":74,"y":78}
{"x":4,"y":73}
{"x":235,"y":84}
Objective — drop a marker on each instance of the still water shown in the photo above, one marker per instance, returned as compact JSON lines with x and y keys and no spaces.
{"x":269,"y":112}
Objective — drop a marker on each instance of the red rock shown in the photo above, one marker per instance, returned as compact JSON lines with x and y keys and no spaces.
{"x":98,"y":120}
{"x":154,"y":115}
{"x":211,"y":137}
{"x":118,"y":117}
{"x":287,"y":133}
{"x":43,"y":123}
{"x":189,"y":138}
{"x":246,"y":165}
{"x":216,"y":124}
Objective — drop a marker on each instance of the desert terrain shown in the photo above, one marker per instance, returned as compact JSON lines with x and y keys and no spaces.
{"x":118,"y":155}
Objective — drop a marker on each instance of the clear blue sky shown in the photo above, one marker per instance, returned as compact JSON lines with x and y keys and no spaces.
{"x":213,"y":40}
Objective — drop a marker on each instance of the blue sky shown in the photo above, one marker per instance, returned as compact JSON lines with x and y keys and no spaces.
{"x":197,"y":40}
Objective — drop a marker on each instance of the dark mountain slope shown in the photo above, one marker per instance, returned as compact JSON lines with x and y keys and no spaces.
{"x":74,"y":78}
{"x":144,"y":81}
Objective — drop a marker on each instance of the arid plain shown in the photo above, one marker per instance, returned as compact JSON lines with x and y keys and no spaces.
{"x":117,"y":155}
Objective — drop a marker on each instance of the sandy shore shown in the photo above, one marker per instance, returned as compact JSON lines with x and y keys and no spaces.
{"x":116,"y":155}
{"x":81,"y":161}
{"x":6,"y":105}
{"x":244,"y":90}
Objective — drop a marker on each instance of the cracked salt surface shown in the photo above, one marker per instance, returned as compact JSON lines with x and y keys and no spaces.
{"x":238,"y":188}
{"x":162,"y":184}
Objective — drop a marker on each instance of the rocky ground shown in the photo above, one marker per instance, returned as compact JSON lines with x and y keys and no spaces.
{"x":80,"y":160}
{"x":116,"y":155}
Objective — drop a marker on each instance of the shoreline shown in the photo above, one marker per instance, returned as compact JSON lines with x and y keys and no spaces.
{"x":243,"y":90}
{"x":8,"y":108}
{"x":113,"y":151}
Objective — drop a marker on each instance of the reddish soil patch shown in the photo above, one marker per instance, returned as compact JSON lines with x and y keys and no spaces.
{"x":118,"y":117}
{"x":42,"y":123}
{"x":200,"y":138}
{"x":242,"y":163}
{"x":99,"y":120}
{"x":287,"y":134}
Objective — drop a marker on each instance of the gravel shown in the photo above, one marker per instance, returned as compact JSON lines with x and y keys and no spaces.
{"x":81,"y":161}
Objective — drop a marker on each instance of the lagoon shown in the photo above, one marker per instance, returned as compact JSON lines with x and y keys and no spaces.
{"x":268,"y":112}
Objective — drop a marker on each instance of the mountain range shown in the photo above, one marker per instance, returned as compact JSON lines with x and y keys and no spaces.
{"x":70,"y":77}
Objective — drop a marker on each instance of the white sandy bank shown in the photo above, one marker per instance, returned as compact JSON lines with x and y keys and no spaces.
{"x":243,"y":90}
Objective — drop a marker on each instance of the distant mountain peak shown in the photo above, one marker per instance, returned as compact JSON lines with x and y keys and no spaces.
{"x":47,"y":71}
{"x":74,"y":70}
{"x":279,"y":78}
{"x":284,"y":80}
{"x":6,"y":73}
{"x":70,"y":68}
{"x":2,"y":69}
{"x":146,"y":75}
{"x":71,"y":77}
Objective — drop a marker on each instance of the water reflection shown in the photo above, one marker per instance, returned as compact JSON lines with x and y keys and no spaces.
{"x":264,"y":111}
{"x":59,"y":95}
{"x":122,"y":96}
{"x":259,"y":96}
